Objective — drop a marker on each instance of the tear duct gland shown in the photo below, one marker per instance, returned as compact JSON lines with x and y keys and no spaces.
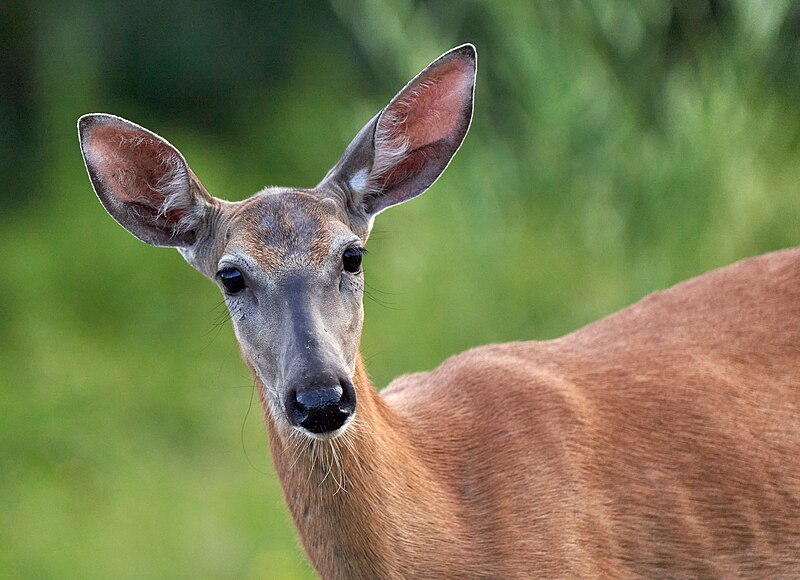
{"x":655,"y":442}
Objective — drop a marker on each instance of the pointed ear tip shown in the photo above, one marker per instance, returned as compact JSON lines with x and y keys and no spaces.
{"x":85,"y":121}
{"x":89,"y":120}
{"x":93,"y":118}
{"x":466,"y":51}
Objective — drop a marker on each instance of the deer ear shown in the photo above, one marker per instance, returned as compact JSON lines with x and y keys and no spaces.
{"x":406,"y":146}
{"x":143,"y":181}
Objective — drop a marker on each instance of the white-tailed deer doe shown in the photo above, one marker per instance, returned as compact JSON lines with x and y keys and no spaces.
{"x":662,"y":441}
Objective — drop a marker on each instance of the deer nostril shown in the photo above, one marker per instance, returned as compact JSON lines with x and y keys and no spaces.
{"x":321,"y":409}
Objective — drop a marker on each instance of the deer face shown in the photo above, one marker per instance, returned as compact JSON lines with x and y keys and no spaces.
{"x":288,"y":261}
{"x":290,"y":271}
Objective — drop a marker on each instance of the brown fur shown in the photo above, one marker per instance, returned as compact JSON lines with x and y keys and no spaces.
{"x":278,"y":229}
{"x":662,"y":441}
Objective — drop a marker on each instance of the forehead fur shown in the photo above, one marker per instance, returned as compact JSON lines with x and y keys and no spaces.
{"x":278,"y":228}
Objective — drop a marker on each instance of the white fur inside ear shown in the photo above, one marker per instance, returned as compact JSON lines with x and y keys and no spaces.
{"x":359,"y":181}
{"x":391,"y":142}
{"x":175,"y":186}
{"x":391,"y":146}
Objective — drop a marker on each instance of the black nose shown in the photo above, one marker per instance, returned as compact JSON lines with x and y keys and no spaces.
{"x":321,"y":409}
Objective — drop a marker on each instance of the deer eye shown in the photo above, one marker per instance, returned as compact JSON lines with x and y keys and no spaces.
{"x":351,"y":259}
{"x":232,"y":280}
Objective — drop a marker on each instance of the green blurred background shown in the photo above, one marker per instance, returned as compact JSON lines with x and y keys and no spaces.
{"x":617,"y":148}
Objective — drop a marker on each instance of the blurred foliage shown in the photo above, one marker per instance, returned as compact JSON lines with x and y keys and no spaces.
{"x":617,"y":148}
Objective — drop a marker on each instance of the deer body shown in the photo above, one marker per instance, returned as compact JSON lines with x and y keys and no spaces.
{"x":660,"y":441}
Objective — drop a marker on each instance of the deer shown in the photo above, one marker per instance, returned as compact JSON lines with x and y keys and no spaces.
{"x":660,"y":441}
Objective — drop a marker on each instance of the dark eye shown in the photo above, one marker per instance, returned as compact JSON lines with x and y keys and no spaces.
{"x":232,"y":279}
{"x":351,"y":259}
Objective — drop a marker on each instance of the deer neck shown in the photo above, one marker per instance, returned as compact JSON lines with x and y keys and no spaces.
{"x":363,"y":503}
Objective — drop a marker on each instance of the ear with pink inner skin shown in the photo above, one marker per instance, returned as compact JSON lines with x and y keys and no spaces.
{"x":404,"y":149}
{"x":143,"y":181}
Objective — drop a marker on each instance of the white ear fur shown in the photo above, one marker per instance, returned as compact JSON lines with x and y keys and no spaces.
{"x":391,"y":146}
{"x":403,"y":150}
{"x":143,"y":181}
{"x":360,"y":181}
{"x":175,"y":187}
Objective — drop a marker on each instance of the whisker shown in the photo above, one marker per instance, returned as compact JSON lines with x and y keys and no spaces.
{"x":219,"y":321}
{"x":349,"y":443}
{"x":241,"y":432}
{"x":300,"y":447}
{"x":341,"y":482}
{"x":379,"y":291}
{"x":380,"y":233}
{"x":381,"y":302}
{"x":330,"y":468}
{"x":370,"y":357}
{"x":313,"y":450}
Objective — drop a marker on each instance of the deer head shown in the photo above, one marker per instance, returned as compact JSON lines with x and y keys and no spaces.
{"x":288,"y":261}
